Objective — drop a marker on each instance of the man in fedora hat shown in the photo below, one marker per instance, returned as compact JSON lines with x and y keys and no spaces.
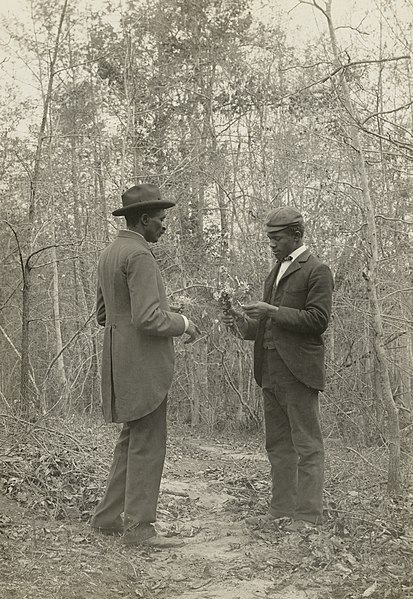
{"x":137,"y":367}
{"x":287,"y":328}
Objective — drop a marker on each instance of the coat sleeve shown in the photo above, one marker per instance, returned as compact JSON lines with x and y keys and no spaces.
{"x":145,"y":297}
{"x":251,"y":328}
{"x":100,"y":307}
{"x":314,"y":318}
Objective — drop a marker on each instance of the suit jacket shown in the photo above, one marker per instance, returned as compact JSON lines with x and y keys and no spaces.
{"x":138,"y":353}
{"x":304,"y":298}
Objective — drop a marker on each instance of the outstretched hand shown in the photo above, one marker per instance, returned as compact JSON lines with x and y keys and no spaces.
{"x":192,"y":331}
{"x":257,"y":310}
{"x":230,"y":316}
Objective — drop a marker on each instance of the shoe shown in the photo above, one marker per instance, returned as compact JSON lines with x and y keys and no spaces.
{"x":301,"y":526}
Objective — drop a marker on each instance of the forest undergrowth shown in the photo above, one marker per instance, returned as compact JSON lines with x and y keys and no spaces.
{"x":52,"y":475}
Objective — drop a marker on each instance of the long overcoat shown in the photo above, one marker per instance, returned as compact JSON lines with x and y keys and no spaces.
{"x":304,"y":298}
{"x":138,"y":352}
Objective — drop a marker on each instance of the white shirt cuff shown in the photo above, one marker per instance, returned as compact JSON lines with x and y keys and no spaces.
{"x":186,"y":322}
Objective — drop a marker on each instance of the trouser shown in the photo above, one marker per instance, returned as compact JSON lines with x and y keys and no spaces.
{"x":294,"y":442}
{"x":135,"y":475}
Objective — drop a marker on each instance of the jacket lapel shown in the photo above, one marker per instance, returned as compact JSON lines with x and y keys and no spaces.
{"x":269,"y":282}
{"x":296,"y":265}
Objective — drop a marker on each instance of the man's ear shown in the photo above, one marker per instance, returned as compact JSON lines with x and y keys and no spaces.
{"x":144,"y":219}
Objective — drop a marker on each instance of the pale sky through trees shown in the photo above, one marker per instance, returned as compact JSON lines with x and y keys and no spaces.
{"x":299,"y":20}
{"x":357,"y":24}
{"x":302,"y":17}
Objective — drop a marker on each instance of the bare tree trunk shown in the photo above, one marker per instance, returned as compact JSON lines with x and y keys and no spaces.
{"x":240,"y":416}
{"x":25,"y":389}
{"x":100,"y":191}
{"x":194,"y":397}
{"x":27,"y":284}
{"x":60,"y":364}
{"x":129,"y":134}
{"x":371,"y":274}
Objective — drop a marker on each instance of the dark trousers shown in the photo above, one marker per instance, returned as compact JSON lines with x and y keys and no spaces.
{"x":135,"y":475}
{"x":294,"y":442}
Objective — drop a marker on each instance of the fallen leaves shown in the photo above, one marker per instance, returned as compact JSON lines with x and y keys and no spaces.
{"x":370,"y":590}
{"x":363,"y":550}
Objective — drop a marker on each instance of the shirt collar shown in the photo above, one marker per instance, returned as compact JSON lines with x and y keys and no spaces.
{"x":298,"y":252}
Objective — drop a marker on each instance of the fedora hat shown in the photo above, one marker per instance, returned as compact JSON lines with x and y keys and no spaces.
{"x":141,"y":196}
{"x":282,"y":217}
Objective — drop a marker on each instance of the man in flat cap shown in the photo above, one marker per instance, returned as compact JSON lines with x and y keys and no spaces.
{"x":287,"y":327}
{"x":137,"y":367}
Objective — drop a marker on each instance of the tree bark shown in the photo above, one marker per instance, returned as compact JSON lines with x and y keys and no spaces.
{"x":25,"y":388}
{"x":371,"y":274}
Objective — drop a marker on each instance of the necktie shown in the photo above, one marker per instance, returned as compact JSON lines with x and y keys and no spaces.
{"x":271,"y":282}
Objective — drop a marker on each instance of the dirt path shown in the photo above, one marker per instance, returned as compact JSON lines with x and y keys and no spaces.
{"x":207,"y":491}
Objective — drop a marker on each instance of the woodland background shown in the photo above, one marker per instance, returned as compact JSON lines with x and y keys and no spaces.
{"x":226,"y":106}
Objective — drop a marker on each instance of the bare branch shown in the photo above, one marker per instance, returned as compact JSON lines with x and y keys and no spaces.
{"x":397,"y":126}
{"x":388,"y":138}
{"x":305,"y":66}
{"x":387,"y":112}
{"x":357,"y":28}
{"x":396,"y":292}
{"x":232,"y":384}
{"x":6,"y":301}
{"x":18,"y":354}
{"x":320,"y":8}
{"x":53,"y":245}
{"x":398,"y":220}
{"x":80,"y":64}
{"x":365,"y":460}
{"x":339,"y":69}
{"x":350,"y":185}
{"x":294,"y":7}
{"x":66,"y":345}
{"x":353,"y":29}
{"x":18,"y":249}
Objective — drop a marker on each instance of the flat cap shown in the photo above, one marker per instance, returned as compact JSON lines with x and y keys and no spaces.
{"x":281,"y":218}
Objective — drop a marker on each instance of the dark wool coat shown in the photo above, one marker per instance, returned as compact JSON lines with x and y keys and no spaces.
{"x":138,"y":352}
{"x":304,"y":298}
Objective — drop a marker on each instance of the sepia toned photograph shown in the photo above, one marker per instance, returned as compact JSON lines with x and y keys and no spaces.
{"x":206,"y":299}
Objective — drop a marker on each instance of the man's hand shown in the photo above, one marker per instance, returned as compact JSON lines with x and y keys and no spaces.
{"x":258,"y":310}
{"x":230,"y":316}
{"x":192,"y":331}
{"x":177,"y":309}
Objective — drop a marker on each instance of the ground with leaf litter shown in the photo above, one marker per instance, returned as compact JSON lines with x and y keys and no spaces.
{"x":51,"y":477}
